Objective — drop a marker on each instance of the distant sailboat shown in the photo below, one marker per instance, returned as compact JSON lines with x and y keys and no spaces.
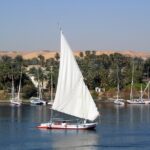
{"x":15,"y":100}
{"x":118,"y":101}
{"x":39,"y":99}
{"x":72,"y":95}
{"x":133,"y":100}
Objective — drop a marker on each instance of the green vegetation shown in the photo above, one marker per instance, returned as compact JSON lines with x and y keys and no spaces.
{"x":98,"y":71}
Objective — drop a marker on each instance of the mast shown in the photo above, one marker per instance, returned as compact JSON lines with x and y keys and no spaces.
{"x":39,"y":86}
{"x":131,"y":92}
{"x":148,"y":84}
{"x":40,"y":92}
{"x":118,"y":88}
{"x":141,"y":92}
{"x":12,"y":89}
{"x":51,"y":83}
{"x":19,"y":86}
{"x":51,"y":115}
{"x":148,"y":91}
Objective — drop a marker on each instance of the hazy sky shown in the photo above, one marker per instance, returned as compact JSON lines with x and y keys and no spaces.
{"x":87,"y":24}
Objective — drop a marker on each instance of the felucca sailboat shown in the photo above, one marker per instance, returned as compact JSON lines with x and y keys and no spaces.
{"x":118,"y":101}
{"x":16,"y":100}
{"x":72,"y":95}
{"x":39,"y":99}
{"x":133,"y":100}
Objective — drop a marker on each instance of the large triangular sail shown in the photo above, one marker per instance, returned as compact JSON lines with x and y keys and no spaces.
{"x":72,"y":95}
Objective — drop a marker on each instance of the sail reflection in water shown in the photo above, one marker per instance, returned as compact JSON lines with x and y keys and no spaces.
{"x":67,"y":140}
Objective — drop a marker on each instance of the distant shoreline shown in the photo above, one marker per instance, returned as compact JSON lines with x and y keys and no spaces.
{"x":8,"y":101}
{"x":51,"y":53}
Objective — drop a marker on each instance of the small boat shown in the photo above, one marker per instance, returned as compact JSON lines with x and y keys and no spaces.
{"x":119,"y":102}
{"x":15,"y":100}
{"x":135,"y":100}
{"x":72,"y":95}
{"x":38,"y":100}
{"x":139,"y":100}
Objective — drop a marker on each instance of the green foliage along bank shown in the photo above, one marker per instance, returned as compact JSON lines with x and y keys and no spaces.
{"x":98,"y":71}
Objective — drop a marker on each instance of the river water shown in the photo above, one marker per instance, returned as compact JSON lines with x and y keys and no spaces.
{"x":120,"y":128}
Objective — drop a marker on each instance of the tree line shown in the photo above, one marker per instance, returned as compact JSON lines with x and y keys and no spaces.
{"x":98,"y":71}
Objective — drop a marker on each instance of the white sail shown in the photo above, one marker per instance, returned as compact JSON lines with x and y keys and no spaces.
{"x":72,"y":95}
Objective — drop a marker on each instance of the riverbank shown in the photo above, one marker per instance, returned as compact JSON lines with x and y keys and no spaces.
{"x":8,"y":101}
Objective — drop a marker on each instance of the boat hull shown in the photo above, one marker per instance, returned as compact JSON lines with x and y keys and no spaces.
{"x":147,"y":101}
{"x":50,"y":103}
{"x":83,"y":126}
{"x":15,"y":103}
{"x":135,"y":101}
{"x":119,"y":102}
{"x":37,"y":101}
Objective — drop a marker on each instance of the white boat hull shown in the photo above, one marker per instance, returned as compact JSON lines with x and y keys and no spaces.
{"x":147,"y":101}
{"x":119,"y":102}
{"x":15,"y":102}
{"x":135,"y":101}
{"x":82,"y":126}
{"x":37,"y":101}
{"x":50,"y":103}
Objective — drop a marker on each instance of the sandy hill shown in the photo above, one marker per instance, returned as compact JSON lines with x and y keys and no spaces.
{"x":50,"y":54}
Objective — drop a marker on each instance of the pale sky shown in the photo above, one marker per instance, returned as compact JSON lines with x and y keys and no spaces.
{"x":87,"y":24}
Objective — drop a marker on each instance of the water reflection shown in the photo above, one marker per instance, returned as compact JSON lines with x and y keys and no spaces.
{"x":120,"y":128}
{"x":125,"y":127}
{"x":16,"y":114}
{"x":139,"y":113}
{"x":67,"y":140}
{"x":39,"y":113}
{"x":118,"y":107}
{"x":129,"y":116}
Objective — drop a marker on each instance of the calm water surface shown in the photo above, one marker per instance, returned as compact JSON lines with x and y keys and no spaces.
{"x":121,"y":128}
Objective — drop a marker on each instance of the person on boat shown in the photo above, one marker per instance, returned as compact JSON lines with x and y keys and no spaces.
{"x":85,"y":121}
{"x":64,"y":124}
